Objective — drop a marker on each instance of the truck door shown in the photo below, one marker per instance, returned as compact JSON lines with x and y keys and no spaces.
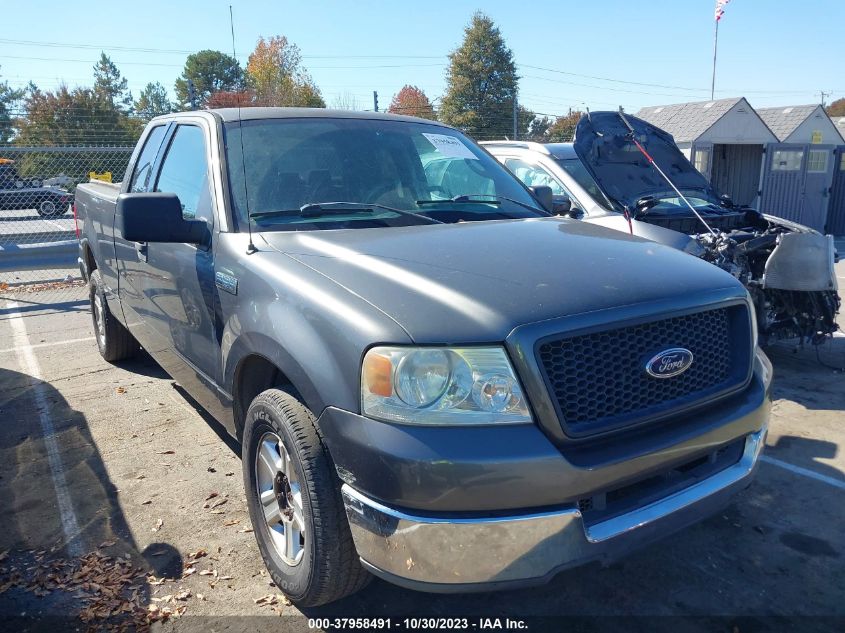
{"x":177,"y":284}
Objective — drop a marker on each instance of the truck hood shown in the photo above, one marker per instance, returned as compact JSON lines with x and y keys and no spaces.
{"x":474,"y":282}
{"x":604,"y":145}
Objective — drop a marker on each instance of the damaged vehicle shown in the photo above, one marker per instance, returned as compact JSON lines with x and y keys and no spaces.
{"x":626,"y":174}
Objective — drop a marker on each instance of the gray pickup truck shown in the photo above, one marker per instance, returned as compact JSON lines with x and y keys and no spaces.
{"x":431,"y":378}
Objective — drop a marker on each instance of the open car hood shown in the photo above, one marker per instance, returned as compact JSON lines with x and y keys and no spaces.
{"x":604,"y":145}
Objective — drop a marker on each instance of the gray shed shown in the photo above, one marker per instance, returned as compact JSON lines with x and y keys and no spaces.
{"x":839,"y":122}
{"x":724,"y":139}
{"x":805,"y":124}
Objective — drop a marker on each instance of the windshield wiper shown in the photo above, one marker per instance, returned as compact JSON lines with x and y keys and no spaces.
{"x":322,"y":209}
{"x":473,"y":198}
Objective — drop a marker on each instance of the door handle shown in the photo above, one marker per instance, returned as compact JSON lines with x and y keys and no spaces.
{"x":141,"y":249}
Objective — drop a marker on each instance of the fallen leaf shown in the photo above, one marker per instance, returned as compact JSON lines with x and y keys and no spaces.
{"x":141,"y":477}
{"x":229,"y":474}
{"x":208,"y":572}
{"x":183,"y":595}
{"x":121,"y":390}
{"x":246,"y":529}
{"x":231,"y":523}
{"x":200,"y":596}
{"x":211,"y":470}
{"x":189,"y":570}
{"x":409,"y":563}
{"x":106,"y":544}
{"x":167,"y":452}
{"x":211,"y":495}
{"x":147,"y":502}
{"x":198,"y":554}
{"x":225,"y":578}
{"x":158,"y":526}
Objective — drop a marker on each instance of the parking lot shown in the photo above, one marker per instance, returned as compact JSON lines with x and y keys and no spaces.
{"x":119,"y":460}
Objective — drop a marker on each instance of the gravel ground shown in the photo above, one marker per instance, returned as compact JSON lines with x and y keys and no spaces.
{"x":151,"y":491}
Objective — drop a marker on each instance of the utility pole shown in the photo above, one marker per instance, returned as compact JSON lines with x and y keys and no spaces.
{"x":823,"y":94}
{"x":192,"y":94}
{"x":515,"y":112}
{"x":375,"y":100}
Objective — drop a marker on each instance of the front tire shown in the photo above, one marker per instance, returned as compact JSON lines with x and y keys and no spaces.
{"x":295,"y":505}
{"x":113,"y":340}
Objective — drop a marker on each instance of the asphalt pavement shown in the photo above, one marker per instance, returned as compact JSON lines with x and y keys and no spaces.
{"x":106,"y":468}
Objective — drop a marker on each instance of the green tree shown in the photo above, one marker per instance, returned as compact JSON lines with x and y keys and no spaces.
{"x":481,"y":82}
{"x":109,"y":85}
{"x":75,"y":117}
{"x":152,"y":102}
{"x":8,"y":98}
{"x":275,"y":73}
{"x":412,"y":101}
{"x":210,"y":72}
{"x":538,"y":129}
{"x":836,"y":108}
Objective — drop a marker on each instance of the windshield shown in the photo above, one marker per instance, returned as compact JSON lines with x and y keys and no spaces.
{"x":575,"y":168}
{"x":319,"y":163}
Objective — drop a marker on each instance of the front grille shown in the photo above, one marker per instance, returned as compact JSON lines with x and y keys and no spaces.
{"x":598,"y":380}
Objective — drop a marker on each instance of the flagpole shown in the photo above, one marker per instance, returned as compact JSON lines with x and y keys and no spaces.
{"x":715,"y":46}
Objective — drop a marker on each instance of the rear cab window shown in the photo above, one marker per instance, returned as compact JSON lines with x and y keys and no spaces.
{"x":140,"y":182}
{"x":184,"y":171}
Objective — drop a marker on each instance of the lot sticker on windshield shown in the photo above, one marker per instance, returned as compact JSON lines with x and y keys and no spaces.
{"x":450,"y":146}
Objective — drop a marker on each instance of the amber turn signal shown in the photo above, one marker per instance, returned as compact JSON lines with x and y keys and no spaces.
{"x":378,"y":375}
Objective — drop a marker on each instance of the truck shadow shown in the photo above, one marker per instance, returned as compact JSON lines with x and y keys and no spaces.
{"x":59,"y":505}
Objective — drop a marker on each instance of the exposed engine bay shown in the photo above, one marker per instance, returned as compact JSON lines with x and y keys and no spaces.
{"x":788,"y":271}
{"x":786,"y":267}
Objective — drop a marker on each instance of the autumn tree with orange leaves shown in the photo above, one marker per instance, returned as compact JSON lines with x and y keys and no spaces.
{"x":412,"y":101}
{"x":276,"y":77}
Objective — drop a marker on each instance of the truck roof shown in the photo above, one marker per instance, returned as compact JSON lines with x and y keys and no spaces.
{"x":556,"y":150}
{"x":251,"y":113}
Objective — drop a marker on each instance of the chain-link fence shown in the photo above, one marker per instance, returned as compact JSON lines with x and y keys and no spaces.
{"x":38,"y":247}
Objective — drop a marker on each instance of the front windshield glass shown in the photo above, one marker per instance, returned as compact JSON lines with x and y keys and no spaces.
{"x":575,"y":168}
{"x":427,"y":170}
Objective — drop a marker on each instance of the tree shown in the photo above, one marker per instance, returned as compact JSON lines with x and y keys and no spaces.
{"x":481,"y":82}
{"x":231,"y":99}
{"x":276,"y":74}
{"x":346,"y":101}
{"x":152,"y":102}
{"x":8,"y":98}
{"x":563,"y":129}
{"x":837,"y":108}
{"x":109,"y":85}
{"x":210,"y":71}
{"x":412,"y":101}
{"x":538,"y":128}
{"x":74,"y":117}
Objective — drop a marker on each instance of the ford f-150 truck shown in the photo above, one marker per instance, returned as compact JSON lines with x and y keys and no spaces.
{"x":432,"y":379}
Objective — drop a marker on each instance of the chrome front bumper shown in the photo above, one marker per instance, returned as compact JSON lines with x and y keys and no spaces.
{"x":458,"y":554}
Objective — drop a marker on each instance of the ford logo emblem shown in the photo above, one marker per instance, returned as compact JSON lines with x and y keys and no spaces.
{"x":669,"y":362}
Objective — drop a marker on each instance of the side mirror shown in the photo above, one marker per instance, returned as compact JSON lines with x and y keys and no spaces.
{"x":576,"y":214}
{"x":544,"y":196}
{"x":561,"y":205}
{"x":157,"y":217}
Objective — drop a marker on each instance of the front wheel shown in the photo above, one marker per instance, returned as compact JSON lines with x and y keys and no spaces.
{"x":295,"y":505}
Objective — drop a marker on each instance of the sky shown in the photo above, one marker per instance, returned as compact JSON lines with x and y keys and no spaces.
{"x":570,"y":54}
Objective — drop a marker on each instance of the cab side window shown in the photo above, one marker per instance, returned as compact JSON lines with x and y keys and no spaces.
{"x":184,"y":172}
{"x":533,"y":175}
{"x":140,"y":182}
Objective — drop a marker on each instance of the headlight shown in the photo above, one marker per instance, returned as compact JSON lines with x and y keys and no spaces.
{"x":442,"y":386}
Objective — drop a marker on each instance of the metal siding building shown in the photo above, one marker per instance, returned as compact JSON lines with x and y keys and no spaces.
{"x":787,"y":161}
